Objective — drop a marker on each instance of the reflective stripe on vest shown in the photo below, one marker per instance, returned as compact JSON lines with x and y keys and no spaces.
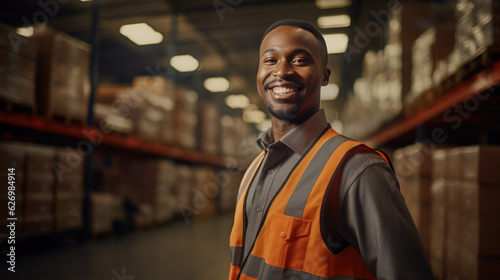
{"x":289,"y":242}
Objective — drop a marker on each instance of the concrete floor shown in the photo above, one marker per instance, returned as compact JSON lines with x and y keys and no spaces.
{"x":178,"y":251}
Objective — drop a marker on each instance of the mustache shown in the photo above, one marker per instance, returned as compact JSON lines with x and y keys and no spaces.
{"x":279,"y":80}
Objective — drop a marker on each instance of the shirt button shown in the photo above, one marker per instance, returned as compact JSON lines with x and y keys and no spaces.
{"x":259,"y":209}
{"x":283,"y":234}
{"x":270,"y":171}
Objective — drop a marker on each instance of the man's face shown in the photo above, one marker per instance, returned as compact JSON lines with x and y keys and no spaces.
{"x":291,"y":73}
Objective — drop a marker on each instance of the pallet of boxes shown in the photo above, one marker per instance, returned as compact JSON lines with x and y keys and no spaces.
{"x":12,"y":157}
{"x":465,"y":213}
{"x":17,"y":70}
{"x":63,"y":83}
{"x":413,"y":166}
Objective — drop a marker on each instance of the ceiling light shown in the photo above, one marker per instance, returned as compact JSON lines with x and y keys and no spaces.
{"x":141,"y":34}
{"x":330,"y":4}
{"x":329,"y":92}
{"x":239,"y":101}
{"x":336,"y":43}
{"x":334,"y":21}
{"x":184,"y":63}
{"x":85,"y":0}
{"x":26,"y":31}
{"x":217,"y":84}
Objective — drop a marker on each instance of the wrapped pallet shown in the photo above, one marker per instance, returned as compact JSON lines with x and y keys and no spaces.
{"x":17,"y":68}
{"x":63,"y":85}
{"x":39,"y":190}
{"x":186,"y":118}
{"x":68,"y":193}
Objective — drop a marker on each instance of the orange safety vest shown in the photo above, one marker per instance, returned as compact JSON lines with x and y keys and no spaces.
{"x":290,"y":244}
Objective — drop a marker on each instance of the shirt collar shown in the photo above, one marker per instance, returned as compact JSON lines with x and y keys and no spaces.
{"x":301,"y":137}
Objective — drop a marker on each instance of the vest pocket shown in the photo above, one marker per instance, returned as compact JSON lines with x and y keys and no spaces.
{"x":287,"y":241}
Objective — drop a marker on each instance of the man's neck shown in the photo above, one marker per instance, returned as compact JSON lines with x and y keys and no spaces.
{"x":282,"y":127}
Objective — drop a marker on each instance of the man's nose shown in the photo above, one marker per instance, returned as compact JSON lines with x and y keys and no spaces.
{"x":282,"y":70}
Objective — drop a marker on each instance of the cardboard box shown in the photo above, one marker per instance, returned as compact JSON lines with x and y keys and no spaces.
{"x":101,"y":213}
{"x":38,"y":224}
{"x":480,"y":234}
{"x":39,"y":159}
{"x":454,"y":196}
{"x":39,"y":185}
{"x":12,"y":155}
{"x":157,"y":85}
{"x":480,"y":164}
{"x":453,"y":252}
{"x":439,"y":189}
{"x":439,"y":164}
{"x":63,"y":83}
{"x":33,"y":207}
{"x":17,"y":68}
{"x":474,"y":267}
{"x":70,"y":185}
{"x":454,"y":164}
{"x":454,"y":227}
{"x":68,"y":222}
{"x":69,"y":206}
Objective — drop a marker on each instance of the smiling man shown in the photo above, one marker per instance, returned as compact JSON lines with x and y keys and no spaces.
{"x":315,"y":204}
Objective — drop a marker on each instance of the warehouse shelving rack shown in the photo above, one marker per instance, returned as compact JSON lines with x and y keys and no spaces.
{"x":93,"y":135}
{"x":413,"y":127}
{"x":29,"y":127}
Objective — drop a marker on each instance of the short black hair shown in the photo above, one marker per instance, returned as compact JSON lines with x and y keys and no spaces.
{"x":303,"y":25}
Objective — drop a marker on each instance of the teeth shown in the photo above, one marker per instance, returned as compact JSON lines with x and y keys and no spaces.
{"x":283,"y":90}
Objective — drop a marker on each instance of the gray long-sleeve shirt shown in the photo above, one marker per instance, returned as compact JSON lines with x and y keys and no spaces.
{"x":372,"y":215}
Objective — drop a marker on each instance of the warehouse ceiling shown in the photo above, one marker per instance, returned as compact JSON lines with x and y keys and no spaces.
{"x":224,"y":35}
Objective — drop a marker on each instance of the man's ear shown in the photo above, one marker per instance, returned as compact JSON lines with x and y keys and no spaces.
{"x":326,"y":76}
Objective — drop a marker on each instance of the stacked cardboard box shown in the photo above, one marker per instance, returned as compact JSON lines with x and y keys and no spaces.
{"x":17,"y":68}
{"x":109,"y":120}
{"x":453,"y":239}
{"x":164,"y":205}
{"x":477,"y":28}
{"x":378,"y":91}
{"x":465,"y":213}
{"x":12,"y":156}
{"x":63,"y":83}
{"x":209,"y":128}
{"x":235,"y":133}
{"x":185,"y":185}
{"x":152,"y":104}
{"x":205,"y":191}
{"x":186,"y":118}
{"x":438,"y":230}
{"x":479,"y":213}
{"x":39,"y":190}
{"x":414,"y":168}
{"x":151,"y":184}
{"x":101,"y":217}
{"x":68,"y":192}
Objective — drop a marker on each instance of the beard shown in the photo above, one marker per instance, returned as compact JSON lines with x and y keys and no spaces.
{"x":289,"y":114}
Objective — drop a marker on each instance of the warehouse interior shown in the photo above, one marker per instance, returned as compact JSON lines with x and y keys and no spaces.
{"x":127,"y":126}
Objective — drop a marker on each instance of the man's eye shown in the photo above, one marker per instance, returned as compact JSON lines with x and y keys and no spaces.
{"x":269,"y":60}
{"x":299,"y":61}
